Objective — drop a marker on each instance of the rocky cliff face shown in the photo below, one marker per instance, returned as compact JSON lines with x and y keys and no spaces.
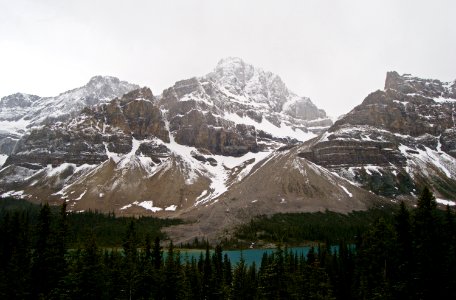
{"x":14,"y":107}
{"x":86,"y":139}
{"x":397,"y":140}
{"x":238,"y":108}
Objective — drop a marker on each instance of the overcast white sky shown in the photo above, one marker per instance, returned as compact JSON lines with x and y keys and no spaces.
{"x":335,"y":52}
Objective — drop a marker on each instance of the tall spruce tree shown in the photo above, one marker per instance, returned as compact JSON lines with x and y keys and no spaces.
{"x":240,"y":288}
{"x":403,"y":256}
{"x":207,"y":283}
{"x":59,"y":250}
{"x":427,"y":248}
{"x":42,"y":269}
{"x":449,"y":244}
{"x":15,"y":257}
{"x":374,"y":262}
{"x":131,"y":259}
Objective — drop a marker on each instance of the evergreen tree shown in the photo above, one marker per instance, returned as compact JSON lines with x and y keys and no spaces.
{"x":207,"y":283}
{"x":157,"y":254}
{"x":194,"y":278}
{"x":449,"y":244}
{"x":240,"y":288}
{"x":42,"y":269}
{"x":318,"y":285}
{"x":58,"y":250}
{"x":402,"y":267}
{"x":91,"y":276}
{"x":227,"y":276}
{"x":427,"y":248}
{"x":15,"y":257}
{"x":172,"y":284}
{"x":344,"y":270}
{"x":115,"y":281}
{"x":272,"y":283}
{"x":131,"y":259}
{"x":374,"y":262}
{"x":217,"y":276}
{"x":146,"y":272}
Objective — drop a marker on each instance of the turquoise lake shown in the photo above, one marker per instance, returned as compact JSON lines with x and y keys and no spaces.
{"x":249,"y":255}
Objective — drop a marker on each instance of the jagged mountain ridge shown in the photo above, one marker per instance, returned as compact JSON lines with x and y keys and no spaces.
{"x":397,"y":140}
{"x":19,"y":112}
{"x":184,"y":148}
{"x":221,"y":148}
{"x":37,"y":109}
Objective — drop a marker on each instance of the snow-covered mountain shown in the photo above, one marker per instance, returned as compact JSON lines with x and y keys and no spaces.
{"x":221,"y":148}
{"x":141,"y":153}
{"x":240,"y":93}
{"x":34,"y":110}
{"x":397,"y":140}
{"x":123,"y":156}
{"x":19,"y":112}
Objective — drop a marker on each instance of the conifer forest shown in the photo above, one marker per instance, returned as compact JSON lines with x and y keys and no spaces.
{"x":409,"y":255}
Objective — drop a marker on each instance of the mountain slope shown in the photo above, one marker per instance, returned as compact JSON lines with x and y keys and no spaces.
{"x":282,"y":182}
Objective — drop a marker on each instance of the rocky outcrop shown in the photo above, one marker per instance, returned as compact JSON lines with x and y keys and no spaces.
{"x":303,"y":108}
{"x":448,"y":141}
{"x":54,"y":145}
{"x":397,"y":140}
{"x":134,"y":113}
{"x":216,"y":135}
{"x":16,"y":106}
{"x":354,"y":153}
{"x":407,"y":114}
{"x":429,"y":88}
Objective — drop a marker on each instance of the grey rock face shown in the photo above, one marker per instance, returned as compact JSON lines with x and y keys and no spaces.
{"x":18,"y":100}
{"x":408,"y":114}
{"x":395,"y":141}
{"x":430,"y":88}
{"x":18,"y":112}
{"x":304,"y":109}
{"x":86,"y":139}
{"x":448,"y":141}
{"x":223,"y":111}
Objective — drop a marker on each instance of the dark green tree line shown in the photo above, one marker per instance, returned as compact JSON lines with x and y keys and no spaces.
{"x":410,"y":255}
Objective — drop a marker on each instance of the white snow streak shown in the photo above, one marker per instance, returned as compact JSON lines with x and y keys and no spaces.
{"x":3,"y":158}
{"x":282,"y":132}
{"x":346,"y":191}
{"x":445,"y":202}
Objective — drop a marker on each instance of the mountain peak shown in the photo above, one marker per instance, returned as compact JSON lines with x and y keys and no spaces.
{"x":261,"y":87}
{"x":233,"y":71}
{"x":430,"y":88}
{"x":103,"y":80}
{"x":18,"y":100}
{"x":229,"y":62}
{"x":391,"y":78}
{"x":239,"y":77}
